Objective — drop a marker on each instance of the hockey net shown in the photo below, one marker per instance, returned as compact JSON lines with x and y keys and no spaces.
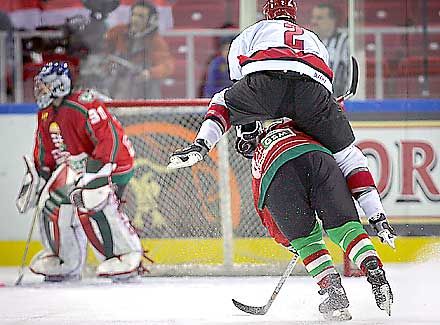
{"x":199,"y":220}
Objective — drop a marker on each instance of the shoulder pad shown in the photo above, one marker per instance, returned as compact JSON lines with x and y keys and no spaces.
{"x":87,"y":96}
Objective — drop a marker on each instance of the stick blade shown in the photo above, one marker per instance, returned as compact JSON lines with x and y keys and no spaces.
{"x":250,"y":309}
{"x":355,"y":76}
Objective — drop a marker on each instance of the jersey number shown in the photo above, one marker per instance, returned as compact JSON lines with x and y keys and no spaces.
{"x":127,"y":143}
{"x":96,"y":115}
{"x":289,"y":36}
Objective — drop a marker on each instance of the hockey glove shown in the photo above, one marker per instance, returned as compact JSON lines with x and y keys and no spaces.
{"x":93,"y":189}
{"x":384,"y":231}
{"x":247,"y":138}
{"x":31,"y":186}
{"x":189,"y":156}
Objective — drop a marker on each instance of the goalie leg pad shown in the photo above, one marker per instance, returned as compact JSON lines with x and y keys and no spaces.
{"x":91,"y":199}
{"x":112,"y":235}
{"x":64,"y":242}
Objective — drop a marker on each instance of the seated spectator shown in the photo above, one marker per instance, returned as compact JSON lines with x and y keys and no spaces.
{"x":324,"y":24}
{"x":217,"y":76}
{"x":138,"y":56}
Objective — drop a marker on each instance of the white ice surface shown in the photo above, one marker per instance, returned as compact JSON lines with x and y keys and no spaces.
{"x":207,"y":300}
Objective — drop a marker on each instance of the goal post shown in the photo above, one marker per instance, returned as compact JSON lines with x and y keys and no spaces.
{"x":199,"y":220}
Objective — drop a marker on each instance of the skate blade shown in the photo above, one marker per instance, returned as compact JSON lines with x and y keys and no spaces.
{"x":61,"y":278}
{"x":339,"y":315}
{"x":386,"y":305}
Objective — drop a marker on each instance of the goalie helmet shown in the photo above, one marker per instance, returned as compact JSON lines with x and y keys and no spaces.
{"x":53,"y":81}
{"x":280,"y":9}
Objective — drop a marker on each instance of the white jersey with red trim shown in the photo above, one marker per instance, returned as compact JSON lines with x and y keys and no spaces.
{"x":282,"y":46}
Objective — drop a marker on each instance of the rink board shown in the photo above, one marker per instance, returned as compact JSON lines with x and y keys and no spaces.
{"x":246,"y":251}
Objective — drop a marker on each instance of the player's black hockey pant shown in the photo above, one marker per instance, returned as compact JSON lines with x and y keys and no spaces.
{"x":311,"y":183}
{"x":274,"y":94}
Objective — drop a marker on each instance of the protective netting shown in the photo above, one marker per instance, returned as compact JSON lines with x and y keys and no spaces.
{"x":182,"y":203}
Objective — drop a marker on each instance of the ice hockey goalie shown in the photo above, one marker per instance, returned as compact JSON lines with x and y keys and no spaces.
{"x":85,"y":161}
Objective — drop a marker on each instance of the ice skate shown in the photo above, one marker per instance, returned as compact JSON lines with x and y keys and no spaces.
{"x":380,"y":286}
{"x":120,"y":268}
{"x":335,"y":306}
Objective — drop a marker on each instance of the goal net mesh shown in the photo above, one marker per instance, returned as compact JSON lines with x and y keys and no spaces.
{"x":199,"y":220}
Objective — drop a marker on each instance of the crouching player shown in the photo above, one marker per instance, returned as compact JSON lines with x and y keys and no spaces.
{"x":295,"y":180}
{"x":83,"y":160}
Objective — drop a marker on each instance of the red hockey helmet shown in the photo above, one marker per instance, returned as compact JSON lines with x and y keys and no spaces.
{"x":280,"y":9}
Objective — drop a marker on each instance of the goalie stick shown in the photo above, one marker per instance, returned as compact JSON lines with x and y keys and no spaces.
{"x":26,"y":249}
{"x":263,"y":309}
{"x":354,"y":81}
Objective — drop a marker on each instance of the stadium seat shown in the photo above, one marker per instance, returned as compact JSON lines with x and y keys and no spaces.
{"x":177,"y":45}
{"x":387,"y":13}
{"x":416,"y":46}
{"x":201,"y":14}
{"x":432,"y":16}
{"x":415,"y":66}
{"x":371,"y":68}
{"x":412,"y":87}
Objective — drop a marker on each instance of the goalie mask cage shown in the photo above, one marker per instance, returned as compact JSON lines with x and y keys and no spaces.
{"x":199,"y":220}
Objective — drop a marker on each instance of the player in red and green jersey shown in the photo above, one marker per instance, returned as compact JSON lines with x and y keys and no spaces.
{"x":299,"y":191}
{"x":87,"y":160}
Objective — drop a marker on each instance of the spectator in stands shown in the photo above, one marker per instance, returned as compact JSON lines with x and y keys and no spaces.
{"x":324,"y":24}
{"x":217,"y":76}
{"x":138,"y":56}
{"x":86,"y":41}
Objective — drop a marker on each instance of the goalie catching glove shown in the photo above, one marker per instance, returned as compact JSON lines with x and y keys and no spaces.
{"x":189,"y":156}
{"x":384,"y":231}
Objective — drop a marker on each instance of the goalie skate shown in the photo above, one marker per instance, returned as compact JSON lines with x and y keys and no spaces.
{"x":120,"y":267}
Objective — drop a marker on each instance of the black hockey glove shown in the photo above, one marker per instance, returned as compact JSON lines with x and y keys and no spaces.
{"x":384,"y":231}
{"x":189,"y":156}
{"x":247,"y":138}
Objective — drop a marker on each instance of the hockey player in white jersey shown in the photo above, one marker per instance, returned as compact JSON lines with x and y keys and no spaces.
{"x":281,"y":69}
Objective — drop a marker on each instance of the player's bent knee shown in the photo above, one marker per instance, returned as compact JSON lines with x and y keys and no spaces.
{"x":350,"y":159}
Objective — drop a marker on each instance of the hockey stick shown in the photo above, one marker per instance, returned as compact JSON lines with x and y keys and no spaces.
{"x":354,"y":81}
{"x":28,"y":242}
{"x":263,"y":309}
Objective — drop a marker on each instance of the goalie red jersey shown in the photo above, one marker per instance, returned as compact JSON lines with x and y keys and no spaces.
{"x":81,"y":124}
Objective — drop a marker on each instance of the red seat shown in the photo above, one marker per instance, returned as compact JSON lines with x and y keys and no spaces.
{"x":432,"y":15}
{"x":201,"y":14}
{"x":414,"y":66}
{"x":387,"y":13}
{"x":371,"y":68}
{"x":413,"y":87}
{"x":177,"y":45}
{"x":174,"y":89}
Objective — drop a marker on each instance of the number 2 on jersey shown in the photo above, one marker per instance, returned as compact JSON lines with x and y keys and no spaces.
{"x":289,"y":36}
